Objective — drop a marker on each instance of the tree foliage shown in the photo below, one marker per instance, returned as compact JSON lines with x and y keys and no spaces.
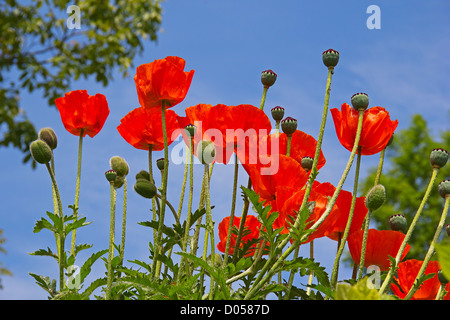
{"x":39,"y":52}
{"x":406,"y":175}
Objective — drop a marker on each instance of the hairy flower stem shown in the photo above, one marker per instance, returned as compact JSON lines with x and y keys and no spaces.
{"x":210,"y":224}
{"x":124,"y":221}
{"x":380,"y":167}
{"x":189,"y":210}
{"x":233,"y":206}
{"x":158,"y":250}
{"x":77,"y":191}
{"x":61,"y":237}
{"x":334,"y":274}
{"x":387,"y":281}
{"x":111,"y":241}
{"x":263,"y":98}
{"x":274,"y":265}
{"x":431,"y":250}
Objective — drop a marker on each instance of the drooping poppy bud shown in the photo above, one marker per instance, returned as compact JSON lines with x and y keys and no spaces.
{"x":330,"y":58}
{"x":360,"y":101}
{"x":398,"y":222}
{"x":268,"y":78}
{"x":375,"y":197}
{"x":143,"y":175}
{"x":49,"y":136}
{"x":206,"y":152}
{"x":438,"y":157}
{"x":289,"y":125}
{"x":145,"y":188}
{"x":119,"y":165}
{"x":41,"y":151}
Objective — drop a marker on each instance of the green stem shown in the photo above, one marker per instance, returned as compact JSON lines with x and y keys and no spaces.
{"x":364,"y":244}
{"x":233,"y":205}
{"x":210,"y":228}
{"x":387,"y":281}
{"x":189,"y":211}
{"x":335,"y":271}
{"x":242,"y":223}
{"x":263,"y":98}
{"x":288,"y":146}
{"x":111,"y":242}
{"x":275,"y":265}
{"x":61,"y":237}
{"x":124,"y":221}
{"x":163,"y":188}
{"x":380,"y":167}
{"x":431,"y":250}
{"x":77,"y":191}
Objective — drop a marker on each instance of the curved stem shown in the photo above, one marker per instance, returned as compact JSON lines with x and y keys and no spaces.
{"x":431,"y":250}
{"x":349,"y":222}
{"x":263,"y":98}
{"x":387,"y":281}
{"x":77,"y":191}
{"x":275,"y":265}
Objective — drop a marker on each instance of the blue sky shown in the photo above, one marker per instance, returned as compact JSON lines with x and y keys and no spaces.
{"x":403,"y":67}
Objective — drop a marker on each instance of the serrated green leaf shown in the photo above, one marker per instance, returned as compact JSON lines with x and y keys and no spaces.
{"x":86,"y":267}
{"x":359,"y":291}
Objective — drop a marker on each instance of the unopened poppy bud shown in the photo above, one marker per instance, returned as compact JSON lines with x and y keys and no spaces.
{"x":444,"y":188}
{"x":277,"y":113}
{"x":119,"y":165}
{"x":41,"y":151}
{"x":438,"y":157}
{"x":190,"y":130}
{"x":447,"y":229}
{"x":330,"y":58}
{"x":143,"y":175}
{"x":398,"y":222}
{"x":206,"y":152}
{"x":49,"y":136}
{"x":375,"y":197}
{"x":360,"y":101}
{"x":118,"y":183}
{"x":160,"y":164}
{"x":289,"y":125}
{"x":111,"y":175}
{"x":307,"y":163}
{"x":268,"y":78}
{"x":145,"y":188}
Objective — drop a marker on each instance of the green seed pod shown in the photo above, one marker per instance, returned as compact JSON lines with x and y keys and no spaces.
{"x":145,"y":188}
{"x":289,"y":125}
{"x":119,"y":165}
{"x":277,"y":113}
{"x":330,"y":58}
{"x":206,"y":152}
{"x":398,"y":222}
{"x":360,"y":101}
{"x":143,"y":175}
{"x":268,"y":78}
{"x":307,"y":163}
{"x":375,"y":197}
{"x":49,"y":136}
{"x":438,"y":157}
{"x":111,"y":175}
{"x":41,"y":151}
{"x":190,"y":130}
{"x":444,"y":188}
{"x":160,"y":164}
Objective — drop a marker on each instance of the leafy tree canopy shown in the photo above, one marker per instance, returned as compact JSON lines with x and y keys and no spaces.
{"x":42,"y":50}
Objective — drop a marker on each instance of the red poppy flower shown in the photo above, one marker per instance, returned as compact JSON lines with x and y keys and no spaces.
{"x":251,"y":232}
{"x":377,"y":128}
{"x":302,"y":145}
{"x":379,"y":246}
{"x":343,"y":203}
{"x":142,"y":128}
{"x":407,"y":272}
{"x":162,"y":80}
{"x":80,"y":111}
{"x":230,"y":128}
{"x":288,"y":210}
